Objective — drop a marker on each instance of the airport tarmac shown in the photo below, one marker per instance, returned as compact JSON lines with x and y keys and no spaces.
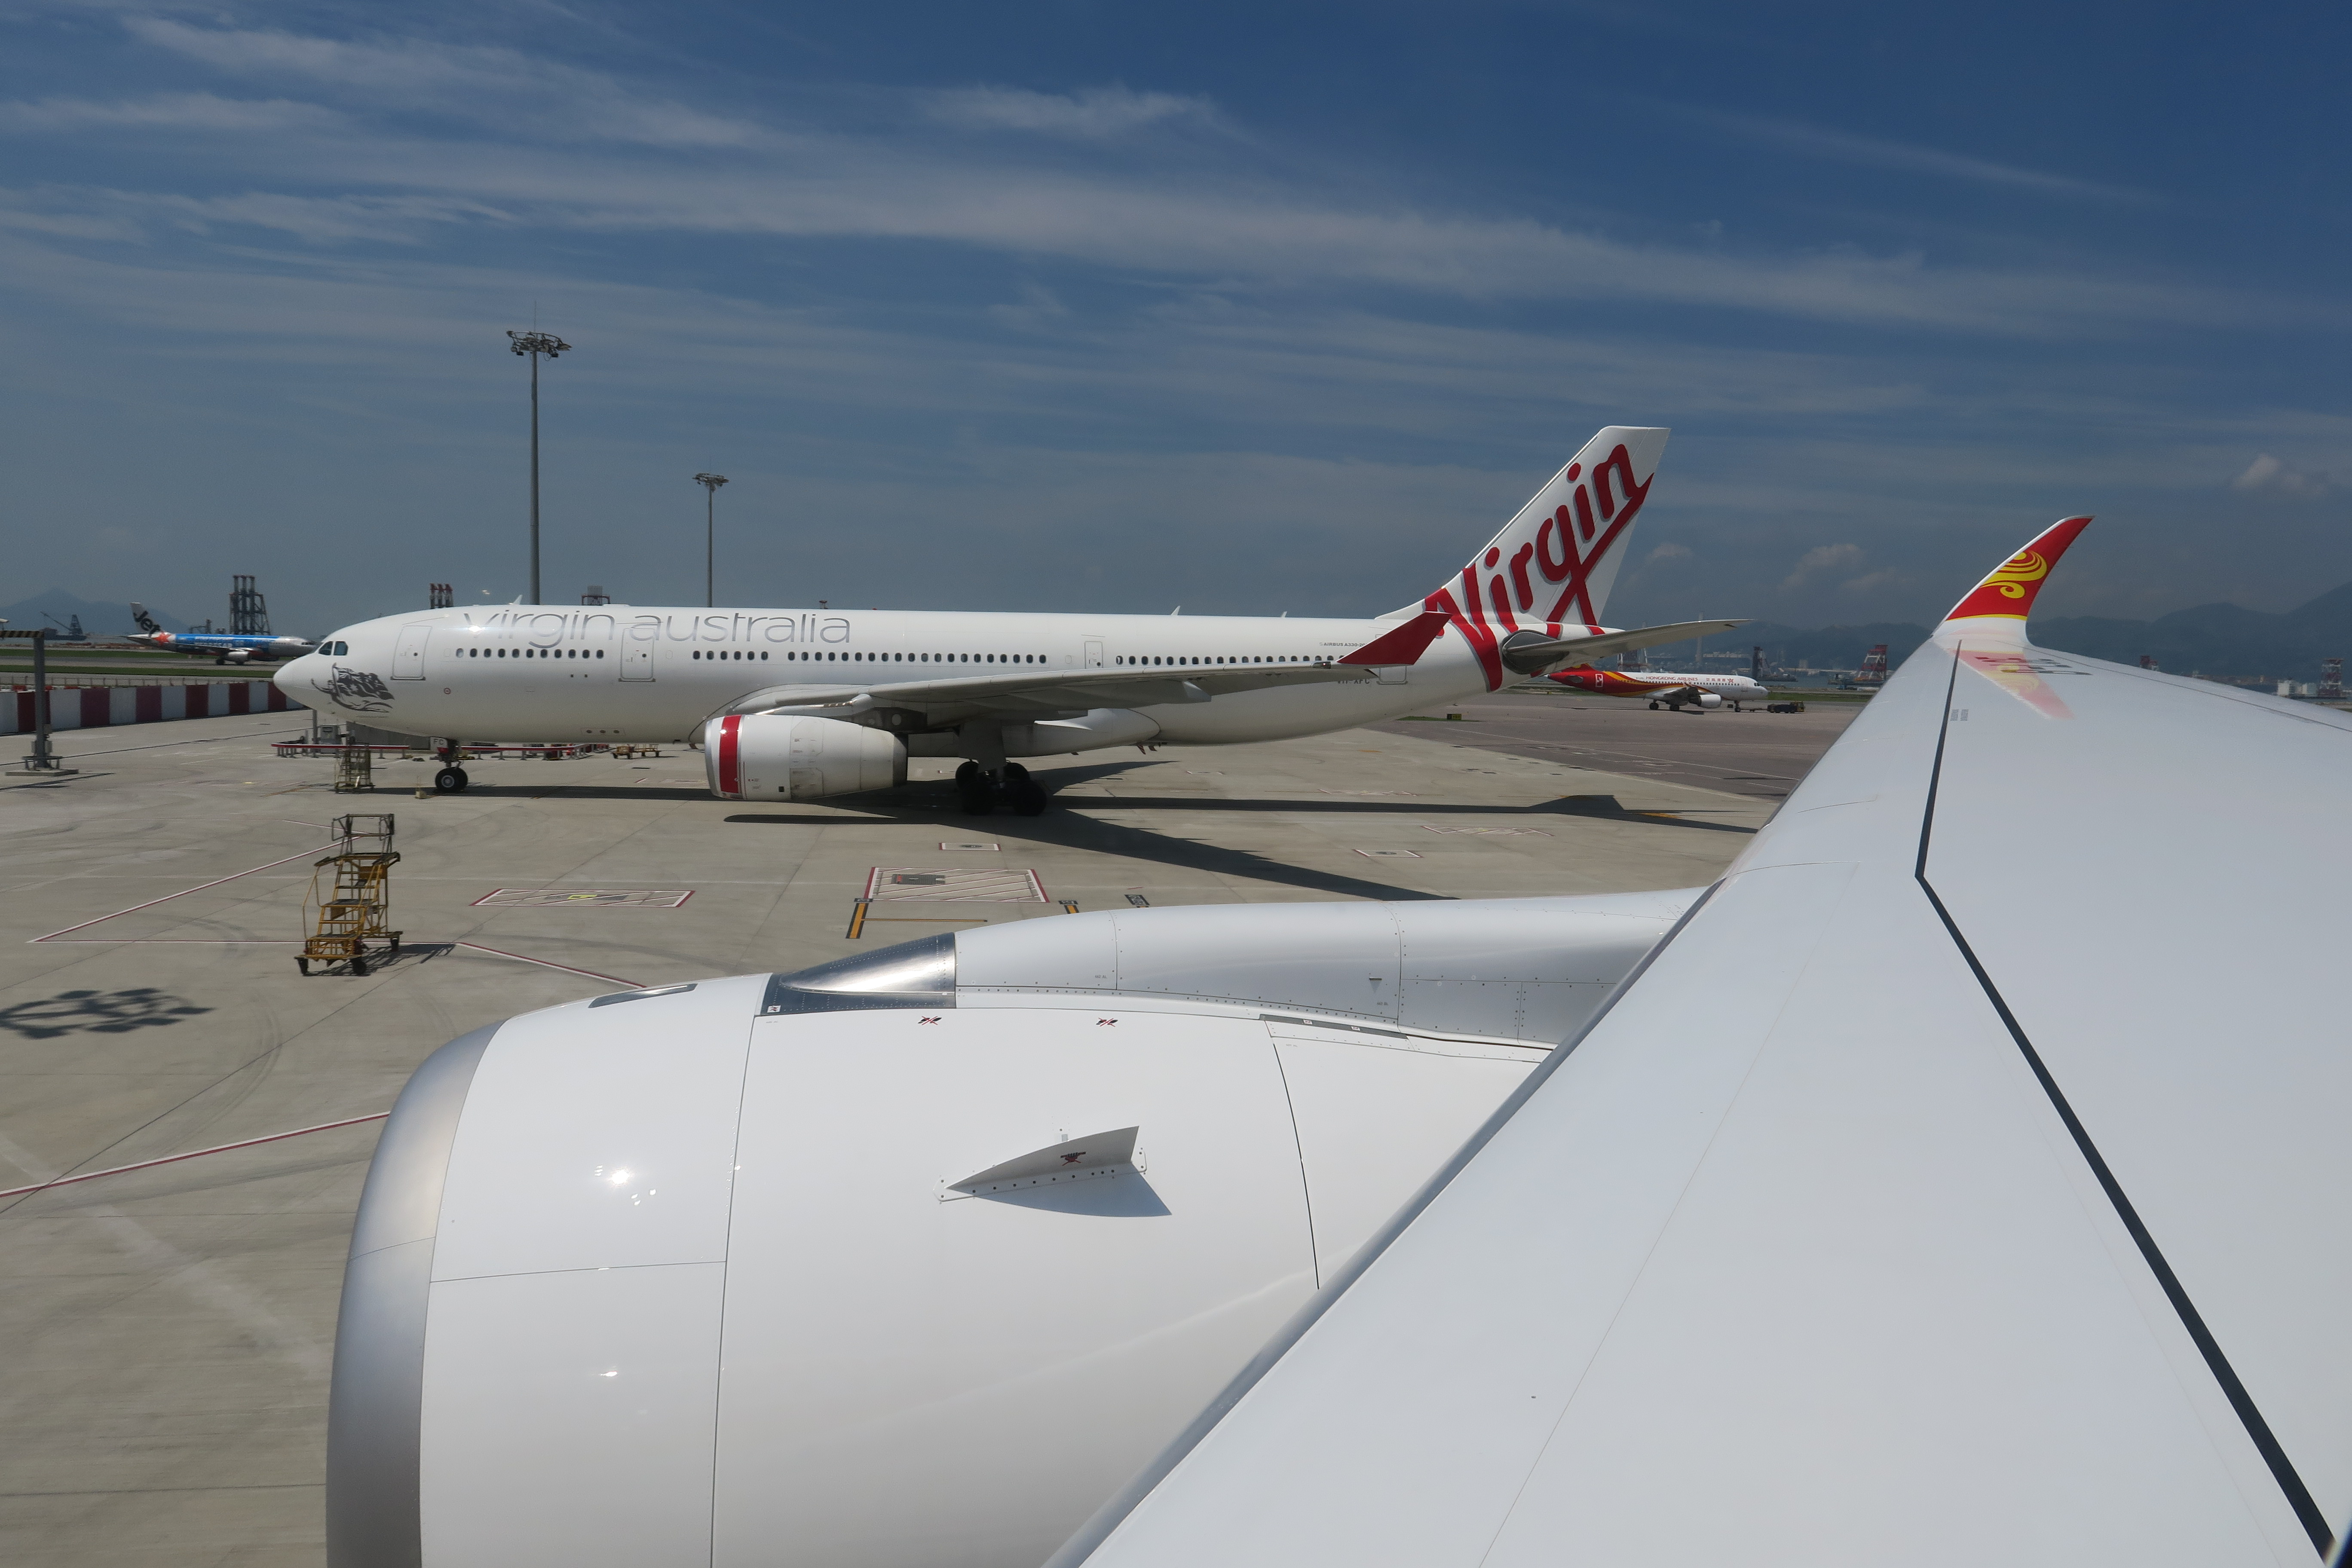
{"x":168,"y":1331}
{"x":1750,"y":751}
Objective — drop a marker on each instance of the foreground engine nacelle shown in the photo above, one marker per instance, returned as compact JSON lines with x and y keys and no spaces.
{"x":914,"y":1257}
{"x":1709,"y":699}
{"x":766,"y":756}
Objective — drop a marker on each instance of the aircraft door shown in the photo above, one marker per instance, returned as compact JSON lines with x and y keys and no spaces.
{"x":637,"y":661}
{"x":1094,"y":659}
{"x":408,"y":655}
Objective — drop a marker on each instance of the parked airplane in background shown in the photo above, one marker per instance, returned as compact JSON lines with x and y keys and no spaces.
{"x":221,"y":647}
{"x":989,"y":688}
{"x":1665,"y":689}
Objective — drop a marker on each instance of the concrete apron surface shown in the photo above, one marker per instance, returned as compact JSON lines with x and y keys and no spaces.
{"x":167,"y":1333}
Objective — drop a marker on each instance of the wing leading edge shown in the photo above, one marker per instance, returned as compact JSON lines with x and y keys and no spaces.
{"x":1960,"y":1183}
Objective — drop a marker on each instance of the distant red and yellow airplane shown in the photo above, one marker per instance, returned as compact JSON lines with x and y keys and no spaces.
{"x":1664,"y":688}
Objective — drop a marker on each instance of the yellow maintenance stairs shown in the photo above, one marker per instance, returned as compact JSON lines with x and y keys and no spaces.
{"x":349,"y":909}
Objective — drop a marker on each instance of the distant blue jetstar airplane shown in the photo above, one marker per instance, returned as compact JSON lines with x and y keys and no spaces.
{"x":222,"y":648}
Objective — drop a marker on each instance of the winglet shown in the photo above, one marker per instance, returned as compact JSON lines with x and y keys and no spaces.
{"x":2008,"y":592}
{"x":1405,"y":645}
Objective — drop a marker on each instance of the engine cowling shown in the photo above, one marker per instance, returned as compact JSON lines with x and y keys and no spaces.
{"x":903,"y":1261}
{"x":1709,"y":699}
{"x":765,"y":756}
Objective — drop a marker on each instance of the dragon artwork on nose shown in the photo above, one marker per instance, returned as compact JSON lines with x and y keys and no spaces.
{"x":356,"y":690}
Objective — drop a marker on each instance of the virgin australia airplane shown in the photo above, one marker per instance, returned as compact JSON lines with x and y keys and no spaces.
{"x":992,"y":686}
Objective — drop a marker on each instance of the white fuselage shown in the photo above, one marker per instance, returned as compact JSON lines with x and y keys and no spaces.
{"x":624,"y":673}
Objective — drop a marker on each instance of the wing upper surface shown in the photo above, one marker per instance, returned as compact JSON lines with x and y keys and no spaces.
{"x":1796,"y":1258}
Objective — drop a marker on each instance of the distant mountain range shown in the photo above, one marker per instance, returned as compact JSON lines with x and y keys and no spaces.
{"x":2220,"y":640}
{"x":99,"y":620}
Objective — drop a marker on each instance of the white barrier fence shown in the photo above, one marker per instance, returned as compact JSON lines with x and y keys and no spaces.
{"x":89,"y":707}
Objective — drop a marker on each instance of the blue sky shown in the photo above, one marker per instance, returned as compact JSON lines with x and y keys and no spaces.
{"x":1250,"y":308}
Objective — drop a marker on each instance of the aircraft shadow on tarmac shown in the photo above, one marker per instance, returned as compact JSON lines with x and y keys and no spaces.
{"x":97,"y":1012}
{"x":1074,"y":826}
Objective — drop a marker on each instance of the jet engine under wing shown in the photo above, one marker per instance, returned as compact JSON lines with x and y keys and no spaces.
{"x":1051,"y":689}
{"x":1531,"y":653}
{"x":1963,"y":1182}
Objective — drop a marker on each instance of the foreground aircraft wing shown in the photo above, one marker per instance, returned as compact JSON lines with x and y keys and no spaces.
{"x":1964,"y":1181}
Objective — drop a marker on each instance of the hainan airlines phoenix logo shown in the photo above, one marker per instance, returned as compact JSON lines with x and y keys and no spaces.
{"x":2011,"y":578}
{"x":2008,"y":594}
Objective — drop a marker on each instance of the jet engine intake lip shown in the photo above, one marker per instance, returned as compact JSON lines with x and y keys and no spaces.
{"x":375,"y":1404}
{"x":918,"y":974}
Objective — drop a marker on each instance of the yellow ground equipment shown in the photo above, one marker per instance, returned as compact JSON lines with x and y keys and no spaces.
{"x":353,"y":907}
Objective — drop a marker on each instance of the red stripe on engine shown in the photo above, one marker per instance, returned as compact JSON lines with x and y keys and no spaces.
{"x":729,"y":782}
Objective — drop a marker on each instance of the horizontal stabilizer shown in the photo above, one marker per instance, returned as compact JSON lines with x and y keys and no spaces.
{"x":1081,"y":1159}
{"x":1531,"y":653}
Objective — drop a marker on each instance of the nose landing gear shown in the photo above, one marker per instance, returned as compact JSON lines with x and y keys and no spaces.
{"x":450,"y":781}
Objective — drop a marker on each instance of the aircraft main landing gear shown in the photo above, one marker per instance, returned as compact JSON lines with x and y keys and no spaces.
{"x":975,"y":791}
{"x":1025,"y":795}
{"x":450,"y":781}
{"x":979,"y":792}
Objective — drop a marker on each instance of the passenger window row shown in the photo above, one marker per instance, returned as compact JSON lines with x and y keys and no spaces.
{"x":341,"y":650}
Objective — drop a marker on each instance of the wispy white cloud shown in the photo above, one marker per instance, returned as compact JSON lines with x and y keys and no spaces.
{"x":2268,"y":473}
{"x":483,"y":84}
{"x":167,"y":111}
{"x":834,"y":185}
{"x":1886,"y":580}
{"x":532,"y":155}
{"x":1820,"y":561}
{"x":99,"y":214}
{"x":1904,"y":157}
{"x":1092,"y":113}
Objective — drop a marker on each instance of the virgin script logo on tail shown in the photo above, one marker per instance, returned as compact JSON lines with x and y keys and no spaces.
{"x":1570,"y":544}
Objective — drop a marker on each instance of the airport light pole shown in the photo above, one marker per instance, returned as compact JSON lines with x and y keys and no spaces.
{"x":535,"y":344}
{"x":709,"y":483}
{"x":42,"y":763}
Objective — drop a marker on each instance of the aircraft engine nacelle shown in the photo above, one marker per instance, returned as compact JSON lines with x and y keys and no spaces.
{"x":1709,"y":699}
{"x":239,"y":655}
{"x":766,"y":756}
{"x":912,"y":1257}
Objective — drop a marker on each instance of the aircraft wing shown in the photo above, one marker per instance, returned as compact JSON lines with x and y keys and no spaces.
{"x":1036,"y":690}
{"x":1964,"y":1181}
{"x":1531,"y":653}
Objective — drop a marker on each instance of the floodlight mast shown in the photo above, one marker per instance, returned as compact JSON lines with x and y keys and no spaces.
{"x":709,"y":483}
{"x":535,"y":344}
